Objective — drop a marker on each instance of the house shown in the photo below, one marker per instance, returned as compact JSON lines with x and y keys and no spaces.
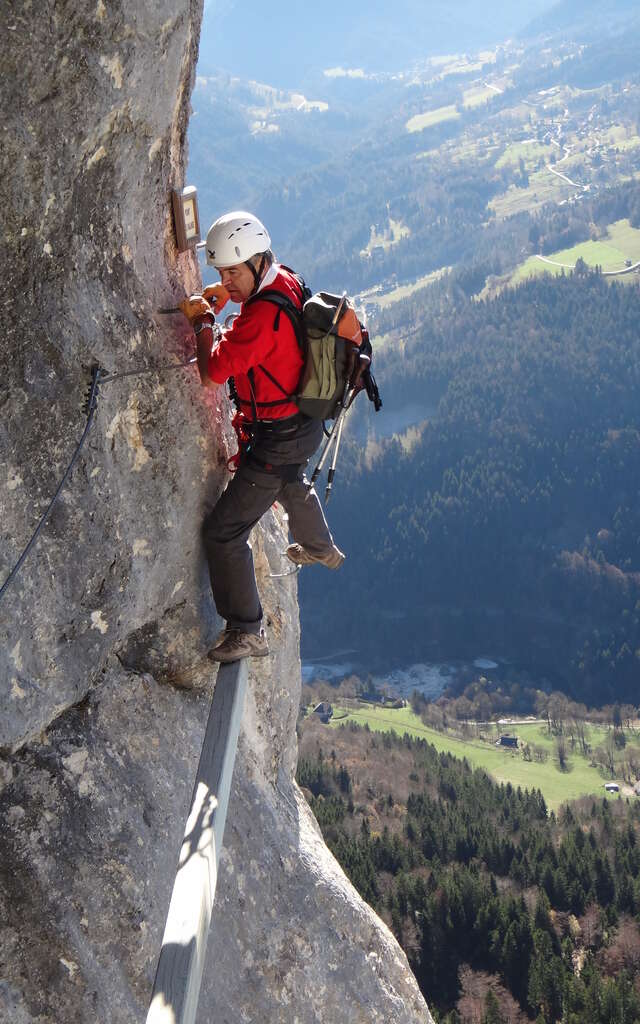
{"x":612,"y":787}
{"x":508,"y":741}
{"x":324,"y":711}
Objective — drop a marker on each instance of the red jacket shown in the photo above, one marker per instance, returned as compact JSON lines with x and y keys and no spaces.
{"x":251,"y":341}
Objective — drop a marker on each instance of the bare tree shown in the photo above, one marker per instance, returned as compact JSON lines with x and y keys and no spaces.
{"x":606,"y":754}
{"x":557,"y":710}
{"x":633,"y":762}
{"x":579,"y":727}
{"x":474,"y":987}
{"x":463,"y":709}
{"x":628,"y":714}
{"x":624,"y":951}
{"x":591,"y":926}
{"x":542,"y":708}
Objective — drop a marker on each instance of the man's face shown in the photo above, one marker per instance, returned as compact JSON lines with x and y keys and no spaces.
{"x":238,"y":281}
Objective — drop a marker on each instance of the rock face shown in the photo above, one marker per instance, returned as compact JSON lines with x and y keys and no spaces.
{"x":111,"y":614}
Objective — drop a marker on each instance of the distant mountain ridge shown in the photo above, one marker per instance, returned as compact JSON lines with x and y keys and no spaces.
{"x":288,"y":43}
{"x":584,"y":17}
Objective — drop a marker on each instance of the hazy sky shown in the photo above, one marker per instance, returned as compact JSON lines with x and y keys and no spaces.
{"x":285,"y":44}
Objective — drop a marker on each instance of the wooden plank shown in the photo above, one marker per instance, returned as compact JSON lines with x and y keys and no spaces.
{"x":176,"y":989}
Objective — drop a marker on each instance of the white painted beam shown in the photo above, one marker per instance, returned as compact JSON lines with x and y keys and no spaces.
{"x":177,"y":985}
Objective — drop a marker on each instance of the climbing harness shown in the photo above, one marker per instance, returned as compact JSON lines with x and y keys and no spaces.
{"x":98,"y":378}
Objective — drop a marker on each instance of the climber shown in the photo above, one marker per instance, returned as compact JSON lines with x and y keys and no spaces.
{"x":259,"y":351}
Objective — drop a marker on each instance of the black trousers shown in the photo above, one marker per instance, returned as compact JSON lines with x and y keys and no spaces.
{"x":250,"y":493}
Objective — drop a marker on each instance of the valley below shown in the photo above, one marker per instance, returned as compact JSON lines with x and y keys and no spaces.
{"x":480,"y":648}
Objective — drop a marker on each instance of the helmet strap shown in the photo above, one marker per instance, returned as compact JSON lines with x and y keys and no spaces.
{"x":257,"y":274}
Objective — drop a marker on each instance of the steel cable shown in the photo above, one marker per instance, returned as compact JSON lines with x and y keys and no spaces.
{"x":98,"y":377}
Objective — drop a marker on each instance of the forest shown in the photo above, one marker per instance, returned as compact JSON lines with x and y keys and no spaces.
{"x":510,"y":522}
{"x":506,"y":913}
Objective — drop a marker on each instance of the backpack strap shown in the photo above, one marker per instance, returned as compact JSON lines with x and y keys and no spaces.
{"x":294,"y":315}
{"x":285,"y":305}
{"x":252,"y":387}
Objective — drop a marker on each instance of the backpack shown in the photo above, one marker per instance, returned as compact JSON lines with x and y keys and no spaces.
{"x":330,"y":337}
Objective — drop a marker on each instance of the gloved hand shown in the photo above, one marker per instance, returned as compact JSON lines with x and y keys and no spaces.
{"x":195,"y":308}
{"x":217,"y":295}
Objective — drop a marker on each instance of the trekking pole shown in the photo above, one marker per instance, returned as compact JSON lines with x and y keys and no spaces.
{"x":351,"y":390}
{"x":334,"y":461}
{"x":323,"y":455}
{"x":333,"y":435}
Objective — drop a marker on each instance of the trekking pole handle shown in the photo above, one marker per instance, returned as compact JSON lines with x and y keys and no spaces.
{"x":336,"y":315}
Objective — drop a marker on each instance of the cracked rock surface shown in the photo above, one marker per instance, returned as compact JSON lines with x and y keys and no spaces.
{"x":104,"y":688}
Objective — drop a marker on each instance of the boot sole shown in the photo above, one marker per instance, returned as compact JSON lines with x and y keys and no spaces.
{"x":315,"y":561}
{"x":214,"y":655}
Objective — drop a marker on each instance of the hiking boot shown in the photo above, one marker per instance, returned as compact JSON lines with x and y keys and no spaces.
{"x":333,"y":558}
{"x":236,"y":644}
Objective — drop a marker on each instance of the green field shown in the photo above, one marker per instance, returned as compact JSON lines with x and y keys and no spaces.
{"x":622,"y":242}
{"x":502,"y":764}
{"x":626,"y":238}
{"x":466,"y":148}
{"x":529,"y":152}
{"x":543,"y":187}
{"x":419,"y":122}
{"x":477,"y":95}
{"x":384,"y":299}
{"x":621,"y":137}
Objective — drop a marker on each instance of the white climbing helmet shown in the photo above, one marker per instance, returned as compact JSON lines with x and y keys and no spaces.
{"x":234,"y":238}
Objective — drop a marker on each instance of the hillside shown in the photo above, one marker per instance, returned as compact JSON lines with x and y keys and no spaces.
{"x":508,"y":522}
{"x":586,"y":18}
{"x":449,"y":152}
{"x":507,"y":913}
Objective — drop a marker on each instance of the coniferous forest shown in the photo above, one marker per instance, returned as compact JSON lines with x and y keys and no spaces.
{"x":506,"y":912}
{"x":509,"y":521}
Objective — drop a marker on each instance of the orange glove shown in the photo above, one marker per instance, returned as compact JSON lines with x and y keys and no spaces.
{"x":217,"y":295}
{"x":195,"y":307}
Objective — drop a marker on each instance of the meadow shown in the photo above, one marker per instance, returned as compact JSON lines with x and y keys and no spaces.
{"x":419,"y":122}
{"x":622,"y":242}
{"x":501,"y":763}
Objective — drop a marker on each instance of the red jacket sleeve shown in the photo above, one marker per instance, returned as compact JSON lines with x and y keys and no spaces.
{"x":247,"y":342}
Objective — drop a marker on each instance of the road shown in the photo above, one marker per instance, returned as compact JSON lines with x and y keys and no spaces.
{"x":559,"y":174}
{"x":605,"y":273}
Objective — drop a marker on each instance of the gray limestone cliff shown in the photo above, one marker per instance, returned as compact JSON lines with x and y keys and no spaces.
{"x":104,"y":690}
